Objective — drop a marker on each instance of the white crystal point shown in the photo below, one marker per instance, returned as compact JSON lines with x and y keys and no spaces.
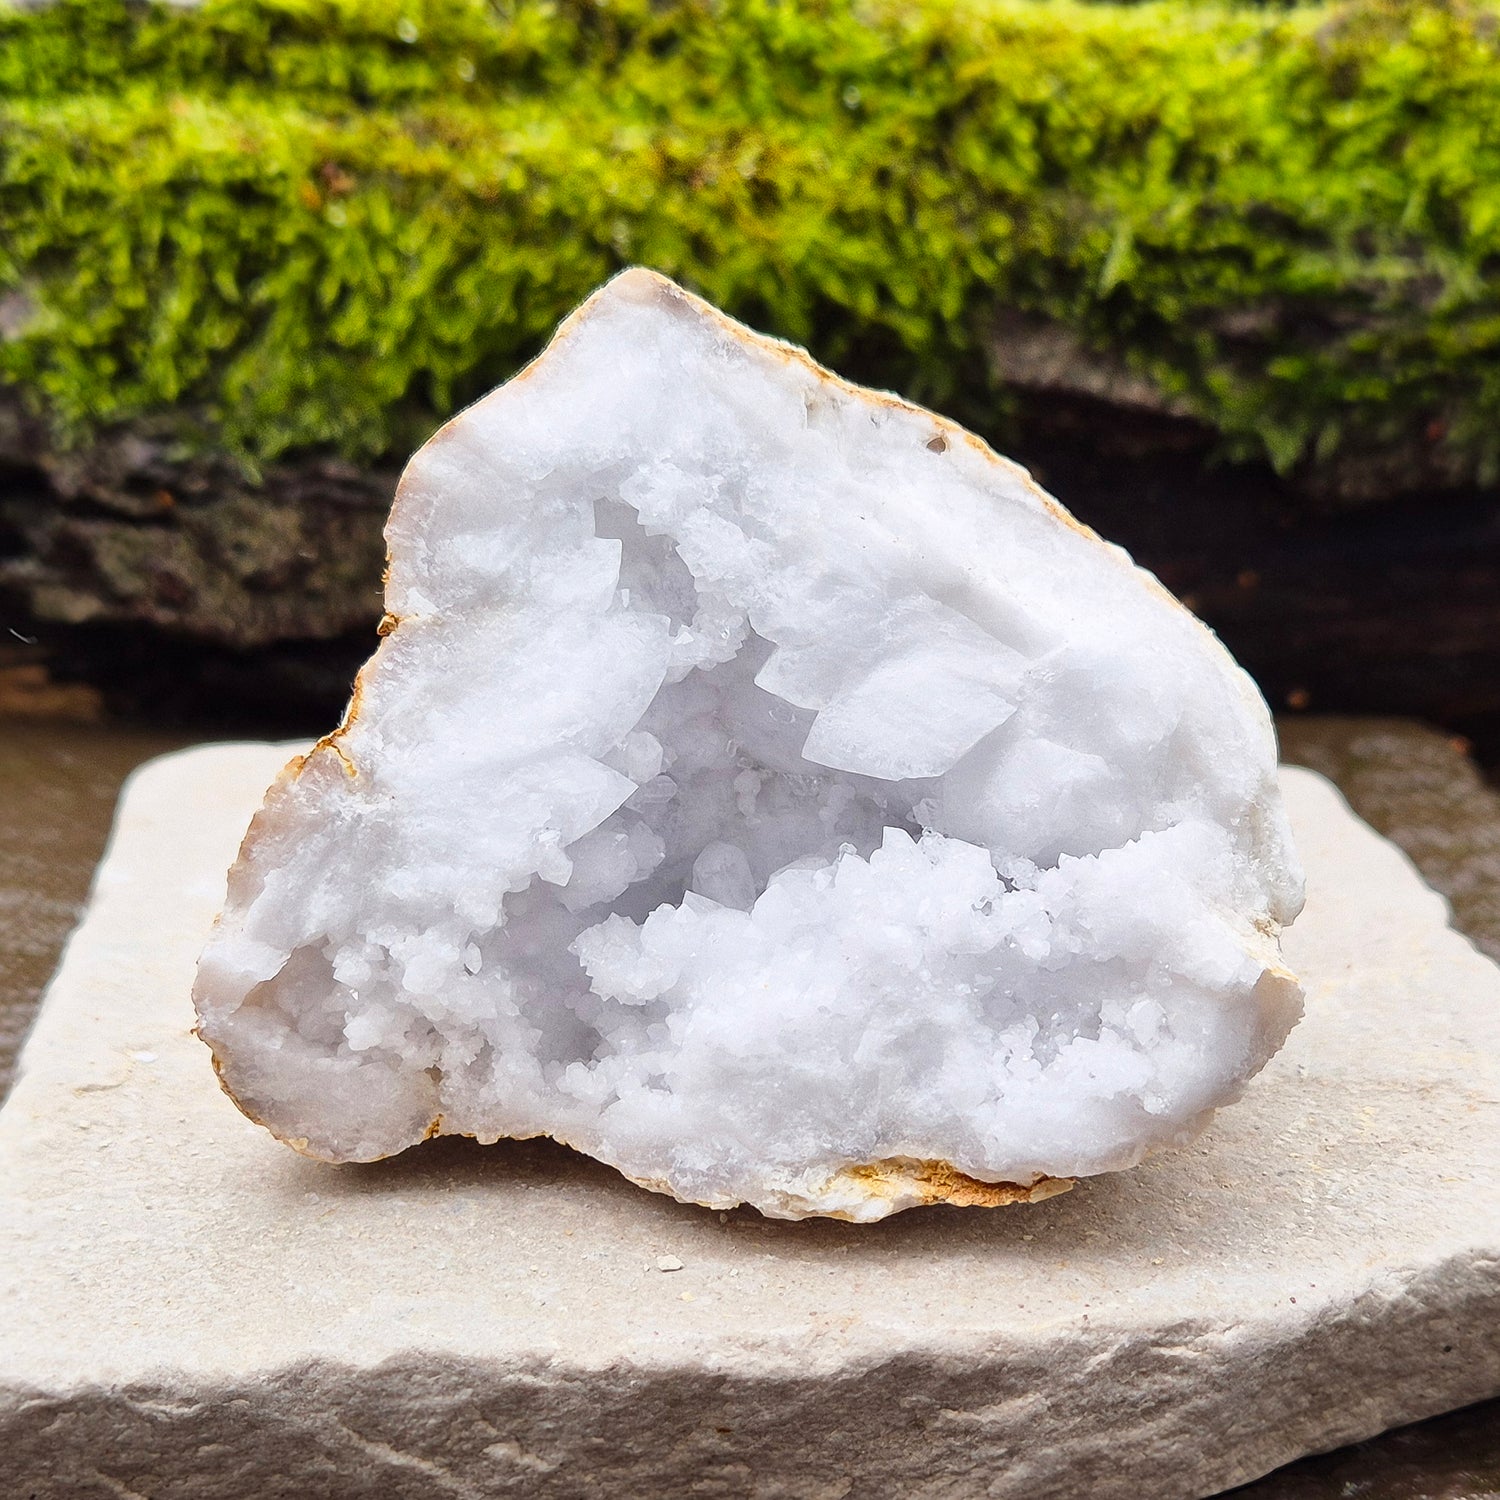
{"x":767,"y":790}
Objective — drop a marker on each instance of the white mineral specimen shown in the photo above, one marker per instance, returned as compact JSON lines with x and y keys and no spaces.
{"x":768,"y":790}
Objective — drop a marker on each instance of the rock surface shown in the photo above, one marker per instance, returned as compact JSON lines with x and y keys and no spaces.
{"x":1419,"y":788}
{"x":61,"y":784}
{"x":188,"y":1310}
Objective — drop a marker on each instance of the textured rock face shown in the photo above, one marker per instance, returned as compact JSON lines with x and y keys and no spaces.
{"x":767,"y":790}
{"x":190,"y":1311}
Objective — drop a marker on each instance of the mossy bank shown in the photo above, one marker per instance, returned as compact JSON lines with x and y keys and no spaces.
{"x":253,"y":251}
{"x":323,"y":223}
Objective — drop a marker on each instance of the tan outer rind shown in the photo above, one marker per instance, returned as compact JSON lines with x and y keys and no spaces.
{"x":878,"y":1189}
{"x":887,"y":1186}
{"x":941,"y":1182}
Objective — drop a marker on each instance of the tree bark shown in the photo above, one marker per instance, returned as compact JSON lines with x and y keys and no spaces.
{"x":1390,"y":609}
{"x":131,"y":532}
{"x":165,"y":578}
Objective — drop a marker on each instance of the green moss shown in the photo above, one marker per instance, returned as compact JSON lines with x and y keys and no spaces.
{"x":296,"y":223}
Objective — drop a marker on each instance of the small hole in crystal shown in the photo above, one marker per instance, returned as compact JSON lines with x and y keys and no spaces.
{"x":938,"y":444}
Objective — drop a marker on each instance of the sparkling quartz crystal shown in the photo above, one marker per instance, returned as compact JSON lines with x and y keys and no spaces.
{"x":768,"y":790}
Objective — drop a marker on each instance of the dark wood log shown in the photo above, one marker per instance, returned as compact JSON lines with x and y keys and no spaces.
{"x":172,"y":581}
{"x":1391,"y":608}
{"x":132,"y":532}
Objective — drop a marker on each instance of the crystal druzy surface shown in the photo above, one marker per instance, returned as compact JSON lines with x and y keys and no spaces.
{"x":767,"y":789}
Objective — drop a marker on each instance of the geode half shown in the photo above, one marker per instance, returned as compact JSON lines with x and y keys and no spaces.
{"x":768,"y":790}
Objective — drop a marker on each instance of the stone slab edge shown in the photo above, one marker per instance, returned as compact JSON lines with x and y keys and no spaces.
{"x":1094,"y":1411}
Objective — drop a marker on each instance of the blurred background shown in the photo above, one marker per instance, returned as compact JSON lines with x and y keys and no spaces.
{"x":1225,"y":276}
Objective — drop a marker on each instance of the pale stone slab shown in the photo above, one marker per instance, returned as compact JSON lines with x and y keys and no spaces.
{"x":188,"y":1309}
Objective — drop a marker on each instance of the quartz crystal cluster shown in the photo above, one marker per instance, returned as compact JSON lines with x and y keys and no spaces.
{"x":768,"y":790}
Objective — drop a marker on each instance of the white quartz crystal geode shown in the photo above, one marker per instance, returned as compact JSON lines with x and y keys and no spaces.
{"x":766,"y":789}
